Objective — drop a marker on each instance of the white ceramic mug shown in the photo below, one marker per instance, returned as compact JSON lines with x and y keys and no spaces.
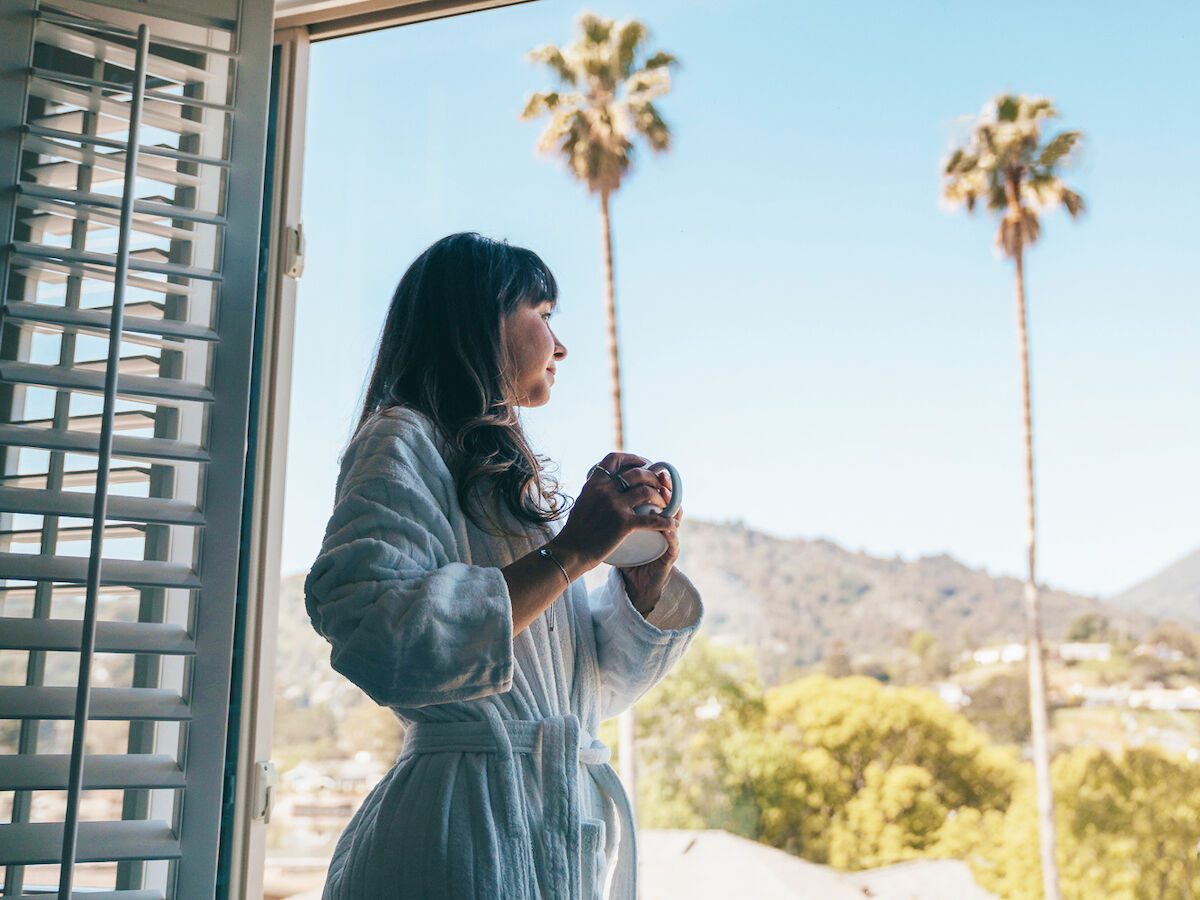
{"x":643,"y":546}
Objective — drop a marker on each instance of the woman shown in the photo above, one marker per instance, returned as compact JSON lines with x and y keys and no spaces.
{"x":451,"y":593}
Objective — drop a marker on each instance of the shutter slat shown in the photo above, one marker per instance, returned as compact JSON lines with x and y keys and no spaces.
{"x":73,"y":120}
{"x":154,"y":112}
{"x":78,"y":505}
{"x":58,"y":217}
{"x":113,"y":162}
{"x":140,"y":364}
{"x":54,"y":136}
{"x":70,"y":378}
{"x":123,"y":420}
{"x":107,"y":201}
{"x":111,"y":637}
{"x":74,"y":533}
{"x":48,"y":772}
{"x":56,"y":273}
{"x":92,"y":28}
{"x":39,"y":843}
{"x":113,"y":87}
{"x":115,"y":704}
{"x":100,"y":321}
{"x":101,"y":895}
{"x":89,"y":442}
{"x":73,"y":569}
{"x":88,"y":44}
{"x":80,"y":478}
{"x":93,"y":258}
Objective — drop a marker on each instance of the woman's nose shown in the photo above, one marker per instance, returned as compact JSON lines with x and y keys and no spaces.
{"x":559,"y":349}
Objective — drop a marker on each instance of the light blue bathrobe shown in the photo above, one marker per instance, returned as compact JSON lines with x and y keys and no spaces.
{"x":502,"y":789}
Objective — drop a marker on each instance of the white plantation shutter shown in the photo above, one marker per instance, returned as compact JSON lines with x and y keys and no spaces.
{"x":149,"y":803}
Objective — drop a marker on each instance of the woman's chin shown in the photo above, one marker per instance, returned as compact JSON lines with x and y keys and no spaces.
{"x":534,"y":399}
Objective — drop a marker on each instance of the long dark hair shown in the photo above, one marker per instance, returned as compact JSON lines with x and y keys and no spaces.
{"x":440,"y":354}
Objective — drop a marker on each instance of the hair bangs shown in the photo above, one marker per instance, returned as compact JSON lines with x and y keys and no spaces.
{"x":530,"y":281}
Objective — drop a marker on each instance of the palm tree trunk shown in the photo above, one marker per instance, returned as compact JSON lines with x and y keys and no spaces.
{"x":1036,"y":656}
{"x":610,"y":309}
{"x":626,"y":723}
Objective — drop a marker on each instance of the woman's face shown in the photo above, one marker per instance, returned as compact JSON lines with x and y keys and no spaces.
{"x":530,"y":352}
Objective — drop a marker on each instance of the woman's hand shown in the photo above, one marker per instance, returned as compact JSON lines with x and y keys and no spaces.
{"x":602,"y":515}
{"x":644,"y":583}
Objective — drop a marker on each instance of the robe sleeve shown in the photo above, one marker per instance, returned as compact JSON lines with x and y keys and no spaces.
{"x":408,"y":622}
{"x":635,"y":653}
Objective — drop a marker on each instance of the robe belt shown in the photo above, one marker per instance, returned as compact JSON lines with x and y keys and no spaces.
{"x":561,"y":747}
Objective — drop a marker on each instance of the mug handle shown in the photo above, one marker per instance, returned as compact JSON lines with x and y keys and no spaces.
{"x":676,"y":487}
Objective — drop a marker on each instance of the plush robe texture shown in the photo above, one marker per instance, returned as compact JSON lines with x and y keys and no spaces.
{"x":502,"y":789}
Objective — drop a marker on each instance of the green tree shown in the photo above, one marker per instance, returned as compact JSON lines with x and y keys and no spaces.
{"x":1006,"y":165}
{"x":683,"y":726}
{"x":837,"y":660}
{"x":1088,"y":627}
{"x":1176,"y":637}
{"x":1128,"y":825}
{"x":1000,"y":706}
{"x":855,"y":773}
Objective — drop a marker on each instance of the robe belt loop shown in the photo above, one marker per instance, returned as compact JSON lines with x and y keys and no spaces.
{"x":561,"y":747}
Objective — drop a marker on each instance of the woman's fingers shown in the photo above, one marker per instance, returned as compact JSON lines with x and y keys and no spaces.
{"x":672,"y":536}
{"x":615,"y":461}
{"x":653,"y":522}
{"x":642,"y":494}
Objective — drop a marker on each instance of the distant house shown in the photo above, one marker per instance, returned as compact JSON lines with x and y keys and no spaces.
{"x":1161,"y":651}
{"x":999,"y":653}
{"x":1187,"y":698}
{"x":952,"y":694}
{"x":1085,"y":651}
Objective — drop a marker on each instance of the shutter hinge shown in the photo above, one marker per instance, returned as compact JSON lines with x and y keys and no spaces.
{"x":293,"y":250}
{"x":264,"y":790}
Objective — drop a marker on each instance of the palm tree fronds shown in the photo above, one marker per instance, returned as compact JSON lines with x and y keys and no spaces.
{"x":1017,"y":232}
{"x":1059,"y":148}
{"x":1007,"y":108}
{"x":1037,"y":108}
{"x":960,"y":162}
{"x":649,"y":123}
{"x":629,"y":38}
{"x":1073,"y":203}
{"x":1005,"y":163}
{"x":644,"y":86}
{"x":661,"y":60}
{"x":553,"y":57}
{"x":997,"y":199}
{"x":960,"y":192}
{"x":596,"y":29}
{"x":591,"y":127}
{"x":540,"y":103}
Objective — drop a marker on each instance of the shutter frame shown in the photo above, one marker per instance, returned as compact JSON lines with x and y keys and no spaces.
{"x":212,"y":408}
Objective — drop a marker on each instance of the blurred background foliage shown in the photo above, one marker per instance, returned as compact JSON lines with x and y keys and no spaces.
{"x":855,"y":773}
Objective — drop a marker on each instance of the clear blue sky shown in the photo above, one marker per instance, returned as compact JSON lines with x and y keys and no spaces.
{"x":820,"y":348}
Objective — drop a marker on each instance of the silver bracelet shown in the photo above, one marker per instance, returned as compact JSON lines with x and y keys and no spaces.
{"x":545,"y":553}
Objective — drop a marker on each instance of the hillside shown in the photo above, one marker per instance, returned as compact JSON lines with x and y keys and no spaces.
{"x":1174,"y":593}
{"x":793,"y":598}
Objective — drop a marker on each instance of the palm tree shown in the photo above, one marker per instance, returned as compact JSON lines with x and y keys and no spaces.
{"x":607,"y":99}
{"x":1006,"y":165}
